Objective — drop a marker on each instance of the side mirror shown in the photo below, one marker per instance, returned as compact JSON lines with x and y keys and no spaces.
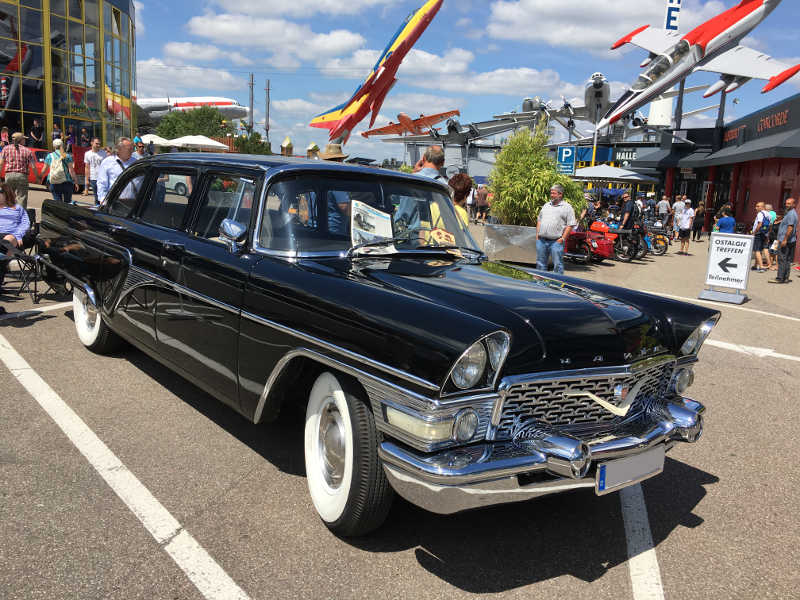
{"x":233,"y":233}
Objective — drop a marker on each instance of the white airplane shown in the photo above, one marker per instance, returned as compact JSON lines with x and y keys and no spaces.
{"x":713,"y":46}
{"x":158,"y":107}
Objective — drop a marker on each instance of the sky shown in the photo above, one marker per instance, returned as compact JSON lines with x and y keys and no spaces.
{"x":481,"y":57}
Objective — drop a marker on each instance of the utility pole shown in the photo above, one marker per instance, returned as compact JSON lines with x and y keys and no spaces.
{"x":266,"y":120}
{"x":250,"y":119}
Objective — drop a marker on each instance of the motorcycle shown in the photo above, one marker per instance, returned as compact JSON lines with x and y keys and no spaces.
{"x":586,"y":247}
{"x":623,"y":250}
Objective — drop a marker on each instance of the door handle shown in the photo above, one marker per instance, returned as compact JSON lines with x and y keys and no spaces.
{"x":117,"y":229}
{"x":173,"y":247}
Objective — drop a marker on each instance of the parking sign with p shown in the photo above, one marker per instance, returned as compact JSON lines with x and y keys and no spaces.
{"x":566,"y":160}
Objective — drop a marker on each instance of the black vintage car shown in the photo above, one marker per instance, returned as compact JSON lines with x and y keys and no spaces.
{"x":423,"y":369}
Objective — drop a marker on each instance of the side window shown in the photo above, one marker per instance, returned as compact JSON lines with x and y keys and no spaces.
{"x":131,"y":183}
{"x":226,"y":197}
{"x":313,"y":214}
{"x":168,"y":198}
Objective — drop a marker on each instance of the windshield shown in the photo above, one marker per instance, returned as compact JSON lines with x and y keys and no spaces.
{"x":311,"y":214}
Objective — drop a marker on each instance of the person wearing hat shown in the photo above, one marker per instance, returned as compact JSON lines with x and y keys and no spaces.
{"x":333,"y":152}
{"x":61,"y":177}
{"x":18,"y":160}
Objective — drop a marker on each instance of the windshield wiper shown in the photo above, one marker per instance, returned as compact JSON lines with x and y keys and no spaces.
{"x":375,"y":244}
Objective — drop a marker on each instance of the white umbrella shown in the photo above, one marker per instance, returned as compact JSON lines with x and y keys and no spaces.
{"x":612,"y":174}
{"x":157,"y":140}
{"x":197,"y":142}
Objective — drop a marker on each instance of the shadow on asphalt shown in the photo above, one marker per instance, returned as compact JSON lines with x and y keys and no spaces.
{"x":506,"y":547}
{"x":491,"y":550}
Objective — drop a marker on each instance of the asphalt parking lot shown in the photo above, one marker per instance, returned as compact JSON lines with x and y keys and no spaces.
{"x":722,"y":517}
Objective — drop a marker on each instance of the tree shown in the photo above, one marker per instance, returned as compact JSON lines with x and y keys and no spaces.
{"x":206,"y":120}
{"x":404,"y":168}
{"x":251,"y":144}
{"x":522,"y":178}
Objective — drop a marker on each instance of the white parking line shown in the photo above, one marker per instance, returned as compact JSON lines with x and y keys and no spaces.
{"x":202,"y":570}
{"x":752,"y":351}
{"x":642,"y":561}
{"x":35,"y":311}
{"x":719,"y":305}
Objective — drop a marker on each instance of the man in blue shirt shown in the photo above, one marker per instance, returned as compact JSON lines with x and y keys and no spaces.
{"x":112,"y":167}
{"x":787,"y":242}
{"x":431,"y":163}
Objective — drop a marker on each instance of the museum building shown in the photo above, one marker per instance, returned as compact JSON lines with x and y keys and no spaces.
{"x":753,"y":159}
{"x":70,"y":65}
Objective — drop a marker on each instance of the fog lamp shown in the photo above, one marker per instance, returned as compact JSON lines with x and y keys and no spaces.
{"x":682,"y":380}
{"x":465,"y":426}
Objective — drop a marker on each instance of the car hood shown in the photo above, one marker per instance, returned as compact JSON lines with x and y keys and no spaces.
{"x":573,"y":326}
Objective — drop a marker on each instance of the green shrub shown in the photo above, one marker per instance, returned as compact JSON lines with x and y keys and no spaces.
{"x":522,"y":178}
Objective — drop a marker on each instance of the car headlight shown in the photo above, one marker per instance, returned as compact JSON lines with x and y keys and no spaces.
{"x":498,"y":344}
{"x":470,"y":367}
{"x":698,"y":337}
{"x":682,"y":380}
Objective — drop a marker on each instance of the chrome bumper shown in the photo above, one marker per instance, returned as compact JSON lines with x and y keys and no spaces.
{"x":500,"y":472}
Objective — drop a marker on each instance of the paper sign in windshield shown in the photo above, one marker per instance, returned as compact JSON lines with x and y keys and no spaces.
{"x":369,"y":224}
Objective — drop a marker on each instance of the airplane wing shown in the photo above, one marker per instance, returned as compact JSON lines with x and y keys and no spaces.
{"x":429,"y":121}
{"x":393,"y":129}
{"x":649,"y":38}
{"x":381,"y":76}
{"x":745,"y":62}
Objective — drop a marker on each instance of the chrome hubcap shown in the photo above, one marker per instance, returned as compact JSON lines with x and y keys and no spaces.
{"x":89,"y":311}
{"x":331,"y":444}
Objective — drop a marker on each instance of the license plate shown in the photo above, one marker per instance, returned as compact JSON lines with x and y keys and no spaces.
{"x":616,"y":474}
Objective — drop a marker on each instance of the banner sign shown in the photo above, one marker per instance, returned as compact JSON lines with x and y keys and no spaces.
{"x":672,"y":20}
{"x":729,"y":260}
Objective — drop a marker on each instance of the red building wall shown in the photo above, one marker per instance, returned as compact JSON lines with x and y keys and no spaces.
{"x":768,"y":181}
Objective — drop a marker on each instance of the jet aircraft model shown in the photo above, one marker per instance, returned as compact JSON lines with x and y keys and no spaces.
{"x":158,"y":107}
{"x":597,"y":101}
{"x":414,"y":127}
{"x":713,"y":46}
{"x":369,"y":96}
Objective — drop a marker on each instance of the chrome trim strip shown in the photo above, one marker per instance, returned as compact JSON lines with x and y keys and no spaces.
{"x":176,"y":287}
{"x":342,"y":351}
{"x":331,"y":362}
{"x":87,"y":289}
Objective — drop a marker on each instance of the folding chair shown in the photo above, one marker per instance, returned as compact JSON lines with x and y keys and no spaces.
{"x":30,"y":269}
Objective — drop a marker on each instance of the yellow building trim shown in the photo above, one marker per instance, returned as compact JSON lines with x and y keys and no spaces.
{"x":48,"y":74}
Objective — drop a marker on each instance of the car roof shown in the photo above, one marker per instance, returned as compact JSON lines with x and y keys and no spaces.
{"x":275,"y":162}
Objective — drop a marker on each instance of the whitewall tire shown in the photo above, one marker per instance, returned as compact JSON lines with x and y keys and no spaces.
{"x":345,"y":477}
{"x":92,"y":331}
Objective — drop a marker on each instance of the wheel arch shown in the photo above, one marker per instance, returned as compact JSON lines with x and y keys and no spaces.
{"x":294,"y":375}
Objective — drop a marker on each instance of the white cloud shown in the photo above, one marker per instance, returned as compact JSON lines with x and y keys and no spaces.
{"x":156,"y":78}
{"x":138,"y":7}
{"x":298,"y":106}
{"x":594,"y":26}
{"x":416,"y":104}
{"x":417,"y":64}
{"x":300,"y":8}
{"x":290,"y":43}
{"x":188,"y":52}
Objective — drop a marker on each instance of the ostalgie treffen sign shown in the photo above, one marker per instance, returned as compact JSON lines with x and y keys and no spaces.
{"x":728,"y":266}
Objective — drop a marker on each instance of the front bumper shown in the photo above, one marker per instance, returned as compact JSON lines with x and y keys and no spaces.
{"x":499,"y":472}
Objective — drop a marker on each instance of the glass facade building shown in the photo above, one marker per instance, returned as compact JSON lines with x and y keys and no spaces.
{"x":71,"y":66}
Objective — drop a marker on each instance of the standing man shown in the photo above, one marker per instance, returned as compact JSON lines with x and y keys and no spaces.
{"x":431,"y":164}
{"x":92,"y":160}
{"x":761,"y":238}
{"x":18,"y":160}
{"x":482,"y":204}
{"x":140,"y":151}
{"x":113,"y":166}
{"x":556,"y":221}
{"x":662,"y":210}
{"x":787,"y":242}
{"x":677,"y":209}
{"x":37,"y":134}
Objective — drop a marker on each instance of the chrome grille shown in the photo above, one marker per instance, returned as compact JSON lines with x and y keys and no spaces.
{"x":553,"y":402}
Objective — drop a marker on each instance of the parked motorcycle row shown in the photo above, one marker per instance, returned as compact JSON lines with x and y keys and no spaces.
{"x":604,"y":240}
